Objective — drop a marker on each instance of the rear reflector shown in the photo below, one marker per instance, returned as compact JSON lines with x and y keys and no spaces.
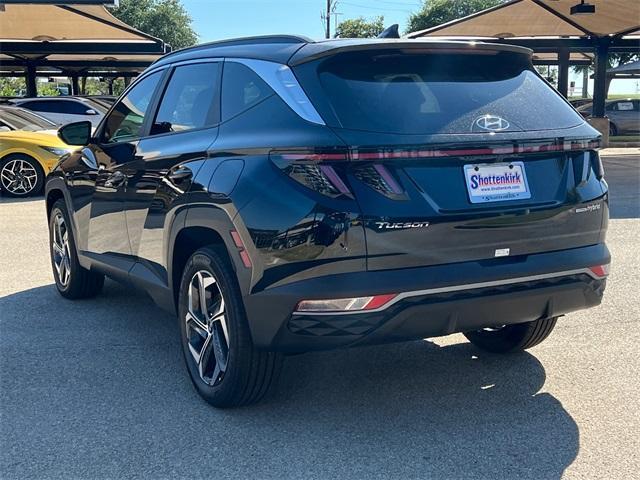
{"x":600,"y":270}
{"x":244,"y":255}
{"x":345,"y":304}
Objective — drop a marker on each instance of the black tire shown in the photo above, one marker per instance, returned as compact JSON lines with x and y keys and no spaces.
{"x":512,"y":338}
{"x":81,"y":283}
{"x":6,"y":185}
{"x":248,"y":372}
{"x":613,"y":130}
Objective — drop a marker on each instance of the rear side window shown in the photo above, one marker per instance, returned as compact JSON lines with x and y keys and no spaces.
{"x":431,"y":93}
{"x":190,"y":99}
{"x":242,"y":88}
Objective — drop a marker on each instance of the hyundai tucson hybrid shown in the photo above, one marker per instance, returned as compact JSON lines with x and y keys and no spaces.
{"x":281,"y":195}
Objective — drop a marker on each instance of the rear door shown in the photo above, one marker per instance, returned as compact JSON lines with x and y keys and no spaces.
{"x":625,"y":115}
{"x":182,"y":128}
{"x":456,"y":156}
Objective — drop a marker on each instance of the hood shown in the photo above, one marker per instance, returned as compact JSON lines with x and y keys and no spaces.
{"x":43,"y":137}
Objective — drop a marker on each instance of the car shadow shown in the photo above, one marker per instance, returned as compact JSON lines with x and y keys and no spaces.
{"x":99,"y":386}
{"x":6,"y":199}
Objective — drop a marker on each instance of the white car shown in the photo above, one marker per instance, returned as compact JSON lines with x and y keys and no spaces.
{"x":63,"y":110}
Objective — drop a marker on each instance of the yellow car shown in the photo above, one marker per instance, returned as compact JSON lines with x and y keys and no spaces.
{"x":26,"y":156}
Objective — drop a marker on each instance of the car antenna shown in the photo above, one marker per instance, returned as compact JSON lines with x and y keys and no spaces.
{"x":390,"y":32}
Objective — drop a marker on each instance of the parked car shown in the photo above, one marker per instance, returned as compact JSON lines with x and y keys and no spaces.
{"x":63,"y":110}
{"x":624,"y":115}
{"x":578,"y":102}
{"x":284,"y":195}
{"x":16,"y":118}
{"x":105,"y":100}
{"x":26,"y":157}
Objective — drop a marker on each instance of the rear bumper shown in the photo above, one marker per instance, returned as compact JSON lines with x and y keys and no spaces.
{"x":434,"y":301}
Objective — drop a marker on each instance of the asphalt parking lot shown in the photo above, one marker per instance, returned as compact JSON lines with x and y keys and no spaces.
{"x":98,"y":389}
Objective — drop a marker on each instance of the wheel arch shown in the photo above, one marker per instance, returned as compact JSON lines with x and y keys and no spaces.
{"x":203,"y":226}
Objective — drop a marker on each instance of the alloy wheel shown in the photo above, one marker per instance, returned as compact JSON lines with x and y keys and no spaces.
{"x":19,"y":177}
{"x":206,"y":328}
{"x":61,"y":251}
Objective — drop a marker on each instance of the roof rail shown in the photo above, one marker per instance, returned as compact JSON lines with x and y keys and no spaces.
{"x":259,"y":39}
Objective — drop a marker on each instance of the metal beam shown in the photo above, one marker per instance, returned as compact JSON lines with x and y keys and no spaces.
{"x":61,"y":47}
{"x":600,"y":80}
{"x":32,"y":86}
{"x":563,"y":72}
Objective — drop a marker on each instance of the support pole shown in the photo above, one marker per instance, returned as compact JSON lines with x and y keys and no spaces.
{"x":75,"y":85}
{"x":598,"y":120}
{"x":563,"y":72}
{"x":32,"y":87}
{"x":600,"y":80}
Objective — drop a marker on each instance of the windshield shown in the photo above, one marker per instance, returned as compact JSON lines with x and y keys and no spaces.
{"x":434,"y":93}
{"x":21,"y":119}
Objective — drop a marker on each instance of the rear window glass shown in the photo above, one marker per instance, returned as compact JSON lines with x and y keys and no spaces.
{"x":437,"y":93}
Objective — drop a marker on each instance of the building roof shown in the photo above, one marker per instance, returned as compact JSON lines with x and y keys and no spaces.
{"x":543,"y":18}
{"x":71,"y":37}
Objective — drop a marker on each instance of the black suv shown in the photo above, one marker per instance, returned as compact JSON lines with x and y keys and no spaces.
{"x":285,"y":195}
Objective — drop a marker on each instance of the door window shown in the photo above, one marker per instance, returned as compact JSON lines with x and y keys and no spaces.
{"x":625,"y":106}
{"x":189,"y":100}
{"x":242,"y":88}
{"x":126,"y":120}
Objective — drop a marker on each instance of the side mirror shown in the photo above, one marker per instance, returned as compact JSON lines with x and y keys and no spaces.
{"x":78,"y":133}
{"x":91,"y":111}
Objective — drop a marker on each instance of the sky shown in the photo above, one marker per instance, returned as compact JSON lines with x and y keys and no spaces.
{"x":220,"y":19}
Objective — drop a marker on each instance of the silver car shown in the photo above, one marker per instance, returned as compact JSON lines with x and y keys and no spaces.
{"x":624,"y":115}
{"x":63,"y":110}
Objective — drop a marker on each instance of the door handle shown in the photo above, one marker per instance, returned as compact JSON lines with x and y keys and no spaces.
{"x":115,"y":180}
{"x":180,"y":175}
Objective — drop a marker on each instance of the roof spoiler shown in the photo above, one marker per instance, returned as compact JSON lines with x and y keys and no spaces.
{"x":317,"y":50}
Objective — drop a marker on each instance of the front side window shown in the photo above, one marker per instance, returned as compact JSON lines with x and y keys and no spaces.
{"x":125,"y":121}
{"x":189,"y":100}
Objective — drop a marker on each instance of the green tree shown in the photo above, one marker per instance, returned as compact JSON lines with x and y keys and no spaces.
{"x":360,"y":28}
{"x":437,"y":12}
{"x":12,"y":86}
{"x":164,"y":19}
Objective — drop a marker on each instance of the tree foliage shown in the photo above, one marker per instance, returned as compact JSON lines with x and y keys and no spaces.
{"x":360,"y":28}
{"x":437,"y":12}
{"x":164,"y":19}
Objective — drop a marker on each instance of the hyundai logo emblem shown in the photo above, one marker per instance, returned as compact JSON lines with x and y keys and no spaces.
{"x":492,"y":123}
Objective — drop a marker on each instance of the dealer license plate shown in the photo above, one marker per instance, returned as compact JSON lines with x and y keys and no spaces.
{"x":495,"y":182}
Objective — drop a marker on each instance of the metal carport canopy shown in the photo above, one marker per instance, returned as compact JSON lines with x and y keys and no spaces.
{"x":549,"y":26}
{"x":72,"y":38}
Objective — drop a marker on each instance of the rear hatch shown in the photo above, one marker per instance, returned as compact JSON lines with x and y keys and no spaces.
{"x":458,"y":155}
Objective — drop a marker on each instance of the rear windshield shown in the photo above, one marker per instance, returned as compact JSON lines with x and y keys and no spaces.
{"x":433,"y":93}
{"x":21,"y":119}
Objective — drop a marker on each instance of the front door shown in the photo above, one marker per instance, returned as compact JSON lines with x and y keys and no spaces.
{"x":115,"y":150}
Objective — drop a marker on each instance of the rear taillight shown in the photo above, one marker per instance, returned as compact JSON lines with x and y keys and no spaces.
{"x":380,"y":178}
{"x":318,"y":171}
{"x":598,"y":168}
{"x":600,"y":271}
{"x":338,"y":305}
